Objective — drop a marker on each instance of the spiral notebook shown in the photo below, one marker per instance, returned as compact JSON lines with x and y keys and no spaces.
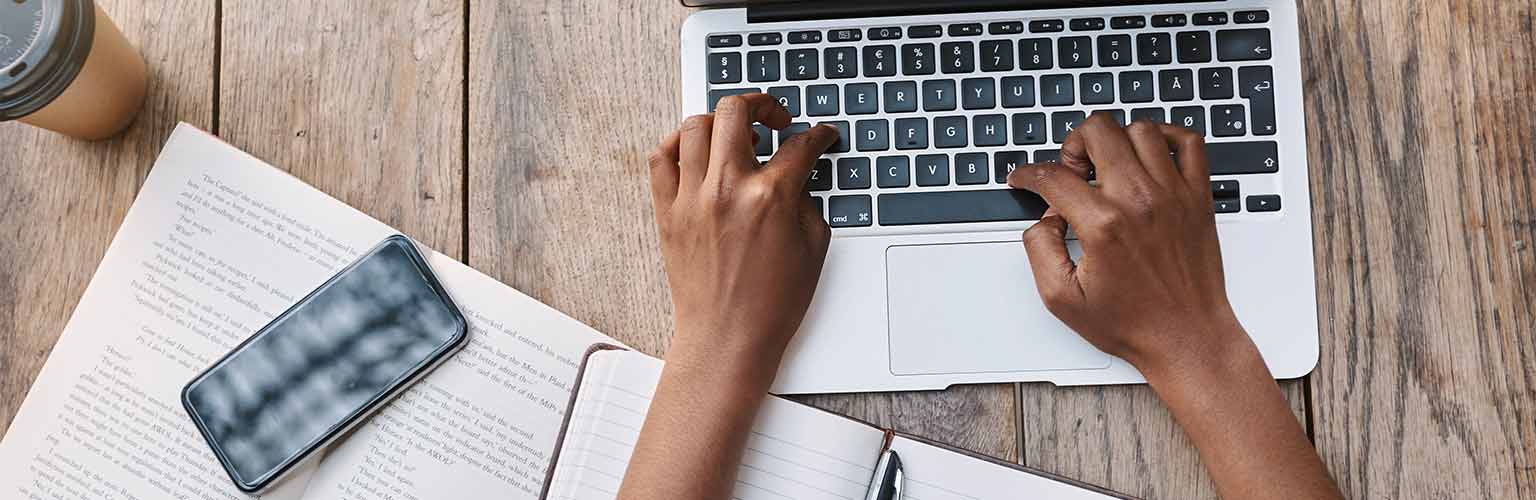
{"x":795,"y":451}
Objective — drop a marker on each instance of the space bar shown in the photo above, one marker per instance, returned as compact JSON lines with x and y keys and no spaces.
{"x":949,"y":207}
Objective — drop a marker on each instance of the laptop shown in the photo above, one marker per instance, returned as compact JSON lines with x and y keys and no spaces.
{"x":926,"y":283}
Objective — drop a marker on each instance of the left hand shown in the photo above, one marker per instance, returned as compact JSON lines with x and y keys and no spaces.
{"x":743,"y":243}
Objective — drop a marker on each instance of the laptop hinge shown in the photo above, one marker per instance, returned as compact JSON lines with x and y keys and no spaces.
{"x":769,"y":12}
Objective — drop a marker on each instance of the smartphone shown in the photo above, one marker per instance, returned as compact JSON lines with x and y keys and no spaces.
{"x":325,"y":365}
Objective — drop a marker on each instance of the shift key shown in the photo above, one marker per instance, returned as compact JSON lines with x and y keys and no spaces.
{"x":1236,"y":158}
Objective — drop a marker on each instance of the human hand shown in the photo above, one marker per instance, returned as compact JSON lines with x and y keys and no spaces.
{"x":1149,"y":287}
{"x":743,"y":243}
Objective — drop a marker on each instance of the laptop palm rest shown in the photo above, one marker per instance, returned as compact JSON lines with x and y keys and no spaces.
{"x":973,"y":308}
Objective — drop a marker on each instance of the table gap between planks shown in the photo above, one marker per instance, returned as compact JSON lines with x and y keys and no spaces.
{"x":513,"y":134}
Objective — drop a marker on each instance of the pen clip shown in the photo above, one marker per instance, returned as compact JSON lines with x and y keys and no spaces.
{"x":888,"y":480}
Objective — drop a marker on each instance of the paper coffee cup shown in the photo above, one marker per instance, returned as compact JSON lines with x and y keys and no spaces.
{"x":65,"y":67}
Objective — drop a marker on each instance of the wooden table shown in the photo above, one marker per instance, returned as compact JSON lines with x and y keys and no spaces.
{"x":512,"y":134}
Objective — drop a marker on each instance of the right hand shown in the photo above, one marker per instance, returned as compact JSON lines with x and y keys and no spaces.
{"x":1149,"y":286}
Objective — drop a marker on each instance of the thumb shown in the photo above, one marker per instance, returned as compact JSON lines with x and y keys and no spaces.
{"x":1055,"y":273}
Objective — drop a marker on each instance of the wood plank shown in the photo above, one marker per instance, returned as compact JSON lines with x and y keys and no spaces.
{"x":1422,"y":117}
{"x":63,"y":199}
{"x":1119,"y":437}
{"x":566,"y":99}
{"x":362,"y":99}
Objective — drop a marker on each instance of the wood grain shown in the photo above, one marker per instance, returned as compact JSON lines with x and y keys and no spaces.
{"x":62,"y":199}
{"x":566,"y":99}
{"x":362,"y":99}
{"x":1421,"y":114}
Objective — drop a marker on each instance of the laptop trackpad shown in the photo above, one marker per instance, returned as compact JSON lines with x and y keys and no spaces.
{"x":973,"y":308}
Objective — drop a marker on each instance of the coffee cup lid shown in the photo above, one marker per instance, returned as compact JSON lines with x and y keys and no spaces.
{"x":43,"y":45}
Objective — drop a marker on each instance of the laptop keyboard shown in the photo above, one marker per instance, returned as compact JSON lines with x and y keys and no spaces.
{"x":934,"y":117}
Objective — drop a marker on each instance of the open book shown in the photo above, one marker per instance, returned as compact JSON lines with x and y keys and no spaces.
{"x":215,"y":246}
{"x":796,"y":451}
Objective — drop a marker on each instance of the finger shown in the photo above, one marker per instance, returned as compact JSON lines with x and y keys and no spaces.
{"x":1045,"y":243}
{"x":664,"y":173}
{"x":693,"y":151}
{"x":1189,"y":147}
{"x":1105,"y":144}
{"x":1061,"y":188}
{"x":816,"y":229}
{"x":1151,"y":148}
{"x":793,"y":162}
{"x":731,"y":146}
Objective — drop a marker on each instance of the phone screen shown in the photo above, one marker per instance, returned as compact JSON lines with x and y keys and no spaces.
{"x":325,"y":363}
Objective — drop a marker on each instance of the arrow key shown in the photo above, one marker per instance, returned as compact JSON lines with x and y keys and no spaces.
{"x":1264,"y":203}
{"x":1243,"y":45}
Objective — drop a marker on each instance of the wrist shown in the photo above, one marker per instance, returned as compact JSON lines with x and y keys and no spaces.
{"x":1218,"y":347}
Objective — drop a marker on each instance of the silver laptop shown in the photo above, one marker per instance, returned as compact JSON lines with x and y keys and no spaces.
{"x":926,"y":283}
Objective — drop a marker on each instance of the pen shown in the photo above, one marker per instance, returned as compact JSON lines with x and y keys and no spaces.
{"x":887,"y":482}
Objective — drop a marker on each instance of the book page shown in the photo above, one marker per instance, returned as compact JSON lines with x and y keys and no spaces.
{"x":795,"y":451}
{"x":216,"y":245}
{"x":934,"y":473}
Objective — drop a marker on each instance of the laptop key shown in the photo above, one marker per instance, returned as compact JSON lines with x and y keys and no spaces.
{"x":764,"y":140}
{"x":1056,"y":90}
{"x":1154,"y":115}
{"x":1176,"y":84}
{"x":792,"y":130}
{"x":1087,"y":24}
{"x":880,"y":60}
{"x":1229,"y":120}
{"x":928,"y":31}
{"x":1048,"y":156}
{"x":1215,"y":83}
{"x":725,"y":67}
{"x":1136,"y":87}
{"x":1226,"y":206}
{"x":1098,"y":88}
{"x":1257,"y":85}
{"x":844,"y":35}
{"x":978,"y":93}
{"x":887,"y":33}
{"x":1225,"y":189}
{"x":1154,"y":48}
{"x":1115,"y":50}
{"x":966,"y":29}
{"x":842,"y":145}
{"x":789,"y":98}
{"x":758,"y":39}
{"x":1035,"y":53}
{"x":949,"y":132}
{"x":1251,"y":16}
{"x":911,"y":133}
{"x":917,"y":59}
{"x":1018,"y":91}
{"x":1028,"y":128}
{"x":842,"y":62}
{"x":821,"y":100}
{"x":805,"y":37}
{"x":1008,"y":161}
{"x":717,"y":41}
{"x":861,"y":99}
{"x":989,"y":130}
{"x":939,"y":95}
{"x":1047,"y":26}
{"x":900,"y":97}
{"x":1064,"y":122}
{"x":821,"y":209}
{"x":1006,"y":28}
{"x":997,"y":55}
{"x":802,"y":64}
{"x":1190,"y":117}
{"x":1264,"y":203}
{"x":1194,"y":46}
{"x":1076,"y":52}
{"x":1210,"y":18}
{"x":1117,"y":114}
{"x":1240,"y":158}
{"x":821,"y":176}
{"x":763,"y":66}
{"x":946,"y":207}
{"x":1243,"y":45}
{"x":853,"y":173}
{"x":893,"y":172}
{"x":1128,"y":22}
{"x":971,"y":169}
{"x":716,"y":95}
{"x":932,"y":170}
{"x":872,"y":135}
{"x":1169,"y":21}
{"x":958,"y":57}
{"x":850,"y":211}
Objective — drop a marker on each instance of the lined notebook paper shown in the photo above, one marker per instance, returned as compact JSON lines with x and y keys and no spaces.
{"x":795,"y":451}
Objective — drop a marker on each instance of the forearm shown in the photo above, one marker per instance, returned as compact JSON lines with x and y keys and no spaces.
{"x":1239,"y":421}
{"x":698,"y":425}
